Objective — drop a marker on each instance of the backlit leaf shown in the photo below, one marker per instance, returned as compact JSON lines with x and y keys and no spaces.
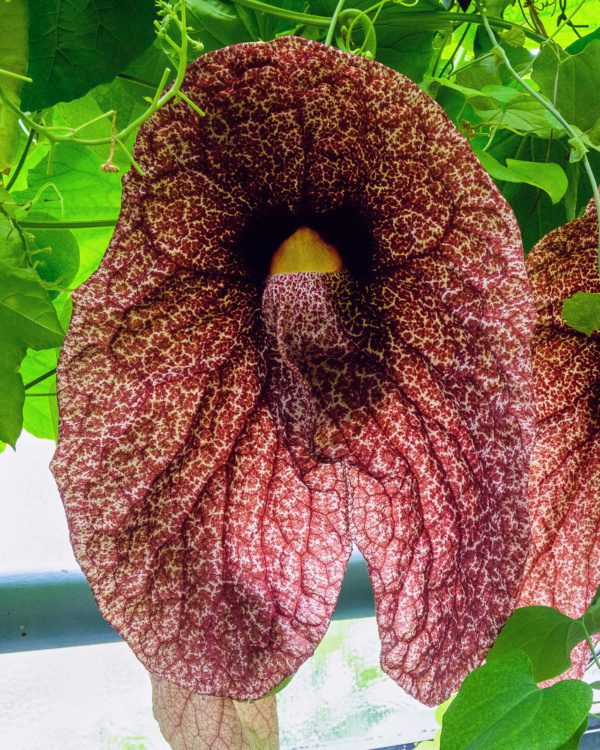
{"x":13,"y":58}
{"x":549,"y":177}
{"x":572,"y":82}
{"x":216,"y":24}
{"x":582,"y":312}
{"x":75,"y":45}
{"x":27,"y":319}
{"x":544,"y":634}
{"x":500,"y":707}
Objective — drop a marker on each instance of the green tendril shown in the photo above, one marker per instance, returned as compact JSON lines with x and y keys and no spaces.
{"x":344,"y":38}
{"x":168,"y":17}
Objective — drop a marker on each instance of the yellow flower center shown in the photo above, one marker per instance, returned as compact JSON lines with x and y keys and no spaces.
{"x":305,"y":251}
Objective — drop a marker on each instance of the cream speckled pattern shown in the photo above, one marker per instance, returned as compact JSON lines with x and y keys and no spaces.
{"x":563,"y":569}
{"x":224,"y":438}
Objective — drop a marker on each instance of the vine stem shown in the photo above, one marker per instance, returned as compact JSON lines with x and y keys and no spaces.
{"x":450,"y":61}
{"x":422,"y":19}
{"x":549,"y":106}
{"x":41,"y":378}
{"x":21,"y":162}
{"x":98,"y":224}
{"x":334,"y":20}
{"x":566,"y":21}
{"x":16,"y":76}
{"x":589,"y":642}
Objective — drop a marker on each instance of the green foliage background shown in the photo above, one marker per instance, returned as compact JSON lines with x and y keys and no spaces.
{"x":60,"y":207}
{"x":96,"y":70}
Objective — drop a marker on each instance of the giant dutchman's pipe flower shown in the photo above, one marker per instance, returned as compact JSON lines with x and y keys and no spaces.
{"x":563,"y":569}
{"x":311,"y":329}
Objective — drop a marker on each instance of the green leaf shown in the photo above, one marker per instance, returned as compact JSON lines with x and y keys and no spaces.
{"x":27,"y":319}
{"x":572,"y":82}
{"x":216,"y":24}
{"x":573,"y":743}
{"x":75,"y":45}
{"x":591,"y":616}
{"x":264,"y":26}
{"x":278,"y":688}
{"x":485,"y":97}
{"x":514,"y":110}
{"x":547,"y":176}
{"x":13,"y":58}
{"x":535,"y":212}
{"x":502,"y":94}
{"x":582,"y":312}
{"x":125,"y":94}
{"x":40,"y":411}
{"x":55,"y":253}
{"x":525,"y":115}
{"x":77,"y":190}
{"x":579,"y":44}
{"x":544,"y":634}
{"x":405,"y":49}
{"x":500,"y":707}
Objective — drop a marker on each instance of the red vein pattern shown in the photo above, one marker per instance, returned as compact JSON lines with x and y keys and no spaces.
{"x":563,"y":570}
{"x":203,"y":722}
{"x":224,"y":441}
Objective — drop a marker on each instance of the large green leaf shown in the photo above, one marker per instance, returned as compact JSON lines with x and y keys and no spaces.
{"x":549,"y":177}
{"x":494,"y":101}
{"x":544,"y":634}
{"x":40,"y":410}
{"x":216,"y":24}
{"x":77,"y":188}
{"x":582,"y":312}
{"x":535,"y":212}
{"x":500,"y":707}
{"x":27,"y":320}
{"x":55,"y":253}
{"x":579,"y":44}
{"x":77,"y":44}
{"x":547,"y":637}
{"x":405,"y":49}
{"x":572,"y":82}
{"x":591,"y":616}
{"x":13,"y":58}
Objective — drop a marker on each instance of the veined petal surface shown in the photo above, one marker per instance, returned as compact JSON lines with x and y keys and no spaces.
{"x":227,"y":435}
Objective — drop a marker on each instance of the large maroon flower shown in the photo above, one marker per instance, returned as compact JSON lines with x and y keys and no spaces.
{"x":227,"y":434}
{"x":563,"y":569}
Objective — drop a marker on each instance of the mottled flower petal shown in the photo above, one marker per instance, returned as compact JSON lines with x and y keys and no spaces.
{"x":227,"y":435}
{"x":203,"y":722}
{"x":563,"y":569}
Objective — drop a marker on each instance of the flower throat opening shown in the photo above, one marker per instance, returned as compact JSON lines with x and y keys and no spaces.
{"x":278,"y":242}
{"x":305,"y":251}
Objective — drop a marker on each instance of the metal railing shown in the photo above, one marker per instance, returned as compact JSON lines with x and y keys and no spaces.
{"x":54,"y":609}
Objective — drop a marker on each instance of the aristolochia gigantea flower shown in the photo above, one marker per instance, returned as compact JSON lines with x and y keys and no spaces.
{"x":563,"y":569}
{"x":311,"y":329}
